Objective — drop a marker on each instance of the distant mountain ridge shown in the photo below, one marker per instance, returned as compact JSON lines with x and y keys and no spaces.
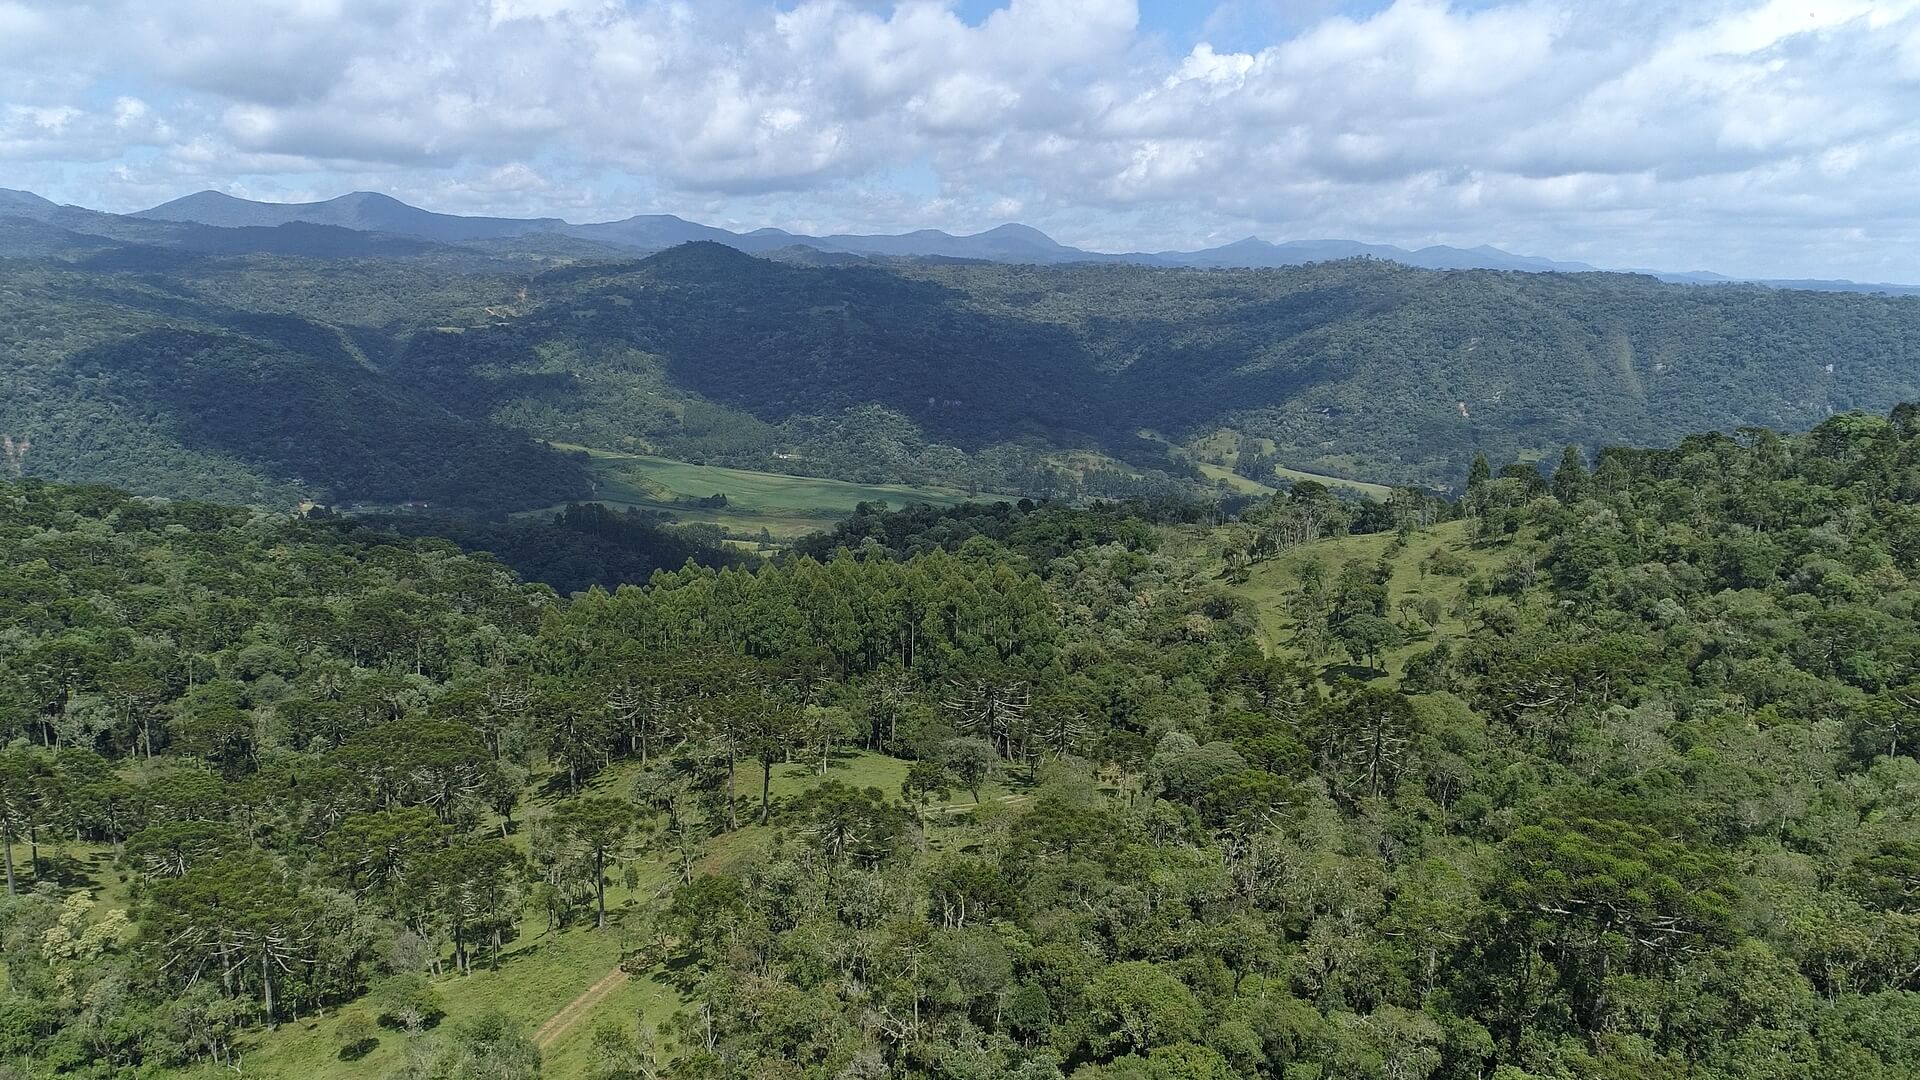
{"x":364,"y":211}
{"x":372,"y":212}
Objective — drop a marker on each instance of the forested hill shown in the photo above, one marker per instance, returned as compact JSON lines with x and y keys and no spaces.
{"x":1613,"y":774}
{"x":258,"y":378}
{"x":384,"y":373}
{"x":1357,"y":368}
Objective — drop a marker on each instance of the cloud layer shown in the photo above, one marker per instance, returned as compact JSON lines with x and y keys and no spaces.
{"x":1776,"y":138}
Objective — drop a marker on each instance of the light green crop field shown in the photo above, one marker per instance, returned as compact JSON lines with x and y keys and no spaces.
{"x":785,"y":506}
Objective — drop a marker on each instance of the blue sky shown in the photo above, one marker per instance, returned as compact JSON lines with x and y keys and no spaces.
{"x":1769,"y":137}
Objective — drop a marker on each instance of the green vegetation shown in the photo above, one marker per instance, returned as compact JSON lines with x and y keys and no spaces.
{"x":279,"y":365}
{"x":1608,"y":773}
{"x":783,"y":505}
{"x":578,"y":547}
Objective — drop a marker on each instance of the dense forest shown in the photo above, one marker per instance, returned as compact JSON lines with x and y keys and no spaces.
{"x":270,"y":365}
{"x":1605,"y":772}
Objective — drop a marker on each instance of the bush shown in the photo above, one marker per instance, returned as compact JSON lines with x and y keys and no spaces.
{"x":358,"y":1036}
{"x":408,"y":1002}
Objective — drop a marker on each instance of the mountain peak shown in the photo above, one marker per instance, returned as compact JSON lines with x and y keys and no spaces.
{"x":699,"y":256}
{"x":369,"y":197}
{"x":367,"y":211}
{"x":16,"y":197}
{"x":1014,"y":228}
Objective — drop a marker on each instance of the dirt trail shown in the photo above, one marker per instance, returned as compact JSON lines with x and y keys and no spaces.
{"x":564,"y":1020}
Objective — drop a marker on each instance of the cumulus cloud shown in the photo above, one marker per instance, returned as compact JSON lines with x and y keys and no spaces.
{"x":1760,"y":136}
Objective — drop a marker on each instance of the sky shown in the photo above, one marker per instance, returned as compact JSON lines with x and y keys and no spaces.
{"x":1777,"y":139}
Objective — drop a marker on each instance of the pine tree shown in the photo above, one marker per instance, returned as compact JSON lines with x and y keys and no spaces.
{"x":1479,"y":473}
{"x":1570,"y":479}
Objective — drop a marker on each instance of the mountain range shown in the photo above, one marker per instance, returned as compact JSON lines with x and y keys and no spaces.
{"x":371,"y":212}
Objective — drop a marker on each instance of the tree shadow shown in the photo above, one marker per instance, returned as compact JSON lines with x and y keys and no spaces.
{"x":1332,"y":674}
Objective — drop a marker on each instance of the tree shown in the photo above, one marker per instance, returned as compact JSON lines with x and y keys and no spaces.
{"x":969,"y":762}
{"x":849,"y":822}
{"x":1136,"y":1006}
{"x":1479,"y":472}
{"x":212,"y":725}
{"x":374,"y":852}
{"x":470,"y":884}
{"x":407,"y":1001}
{"x":769,"y":732}
{"x":418,"y":761}
{"x":598,"y":826}
{"x":1364,"y":735}
{"x":616,"y":1053}
{"x":1570,"y":478}
{"x":240,"y":917}
{"x":1366,"y":635}
{"x":1188,"y":1061}
{"x":926,"y":781}
{"x":16,"y":805}
{"x":579,"y":729}
{"x":1597,"y":898}
{"x":1182,"y":769}
{"x":488,"y":1047}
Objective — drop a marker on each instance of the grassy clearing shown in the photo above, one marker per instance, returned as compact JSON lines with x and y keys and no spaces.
{"x":785,"y":506}
{"x":1273,"y":585}
{"x":1215,"y":455}
{"x":1378,"y":491}
{"x":1233,"y":480}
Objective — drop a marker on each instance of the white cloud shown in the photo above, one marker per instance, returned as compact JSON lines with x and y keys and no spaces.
{"x":1753,"y":134}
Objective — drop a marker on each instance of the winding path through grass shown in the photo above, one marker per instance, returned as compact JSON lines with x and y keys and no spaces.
{"x":563,"y":1021}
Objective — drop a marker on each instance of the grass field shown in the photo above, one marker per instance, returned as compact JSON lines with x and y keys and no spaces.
{"x":1232,"y":479}
{"x":1273,"y":584}
{"x":785,"y":506}
{"x":1378,"y":491}
{"x":1222,"y":446}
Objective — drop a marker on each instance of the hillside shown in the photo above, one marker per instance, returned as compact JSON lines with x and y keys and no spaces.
{"x":1088,"y":793}
{"x":1360,"y":369}
{"x":267,"y":364}
{"x":253,"y":379}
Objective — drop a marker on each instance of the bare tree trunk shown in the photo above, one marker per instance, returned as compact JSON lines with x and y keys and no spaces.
{"x":733,"y":818}
{"x":266,"y":983}
{"x":600,"y":883}
{"x":12,"y":888}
